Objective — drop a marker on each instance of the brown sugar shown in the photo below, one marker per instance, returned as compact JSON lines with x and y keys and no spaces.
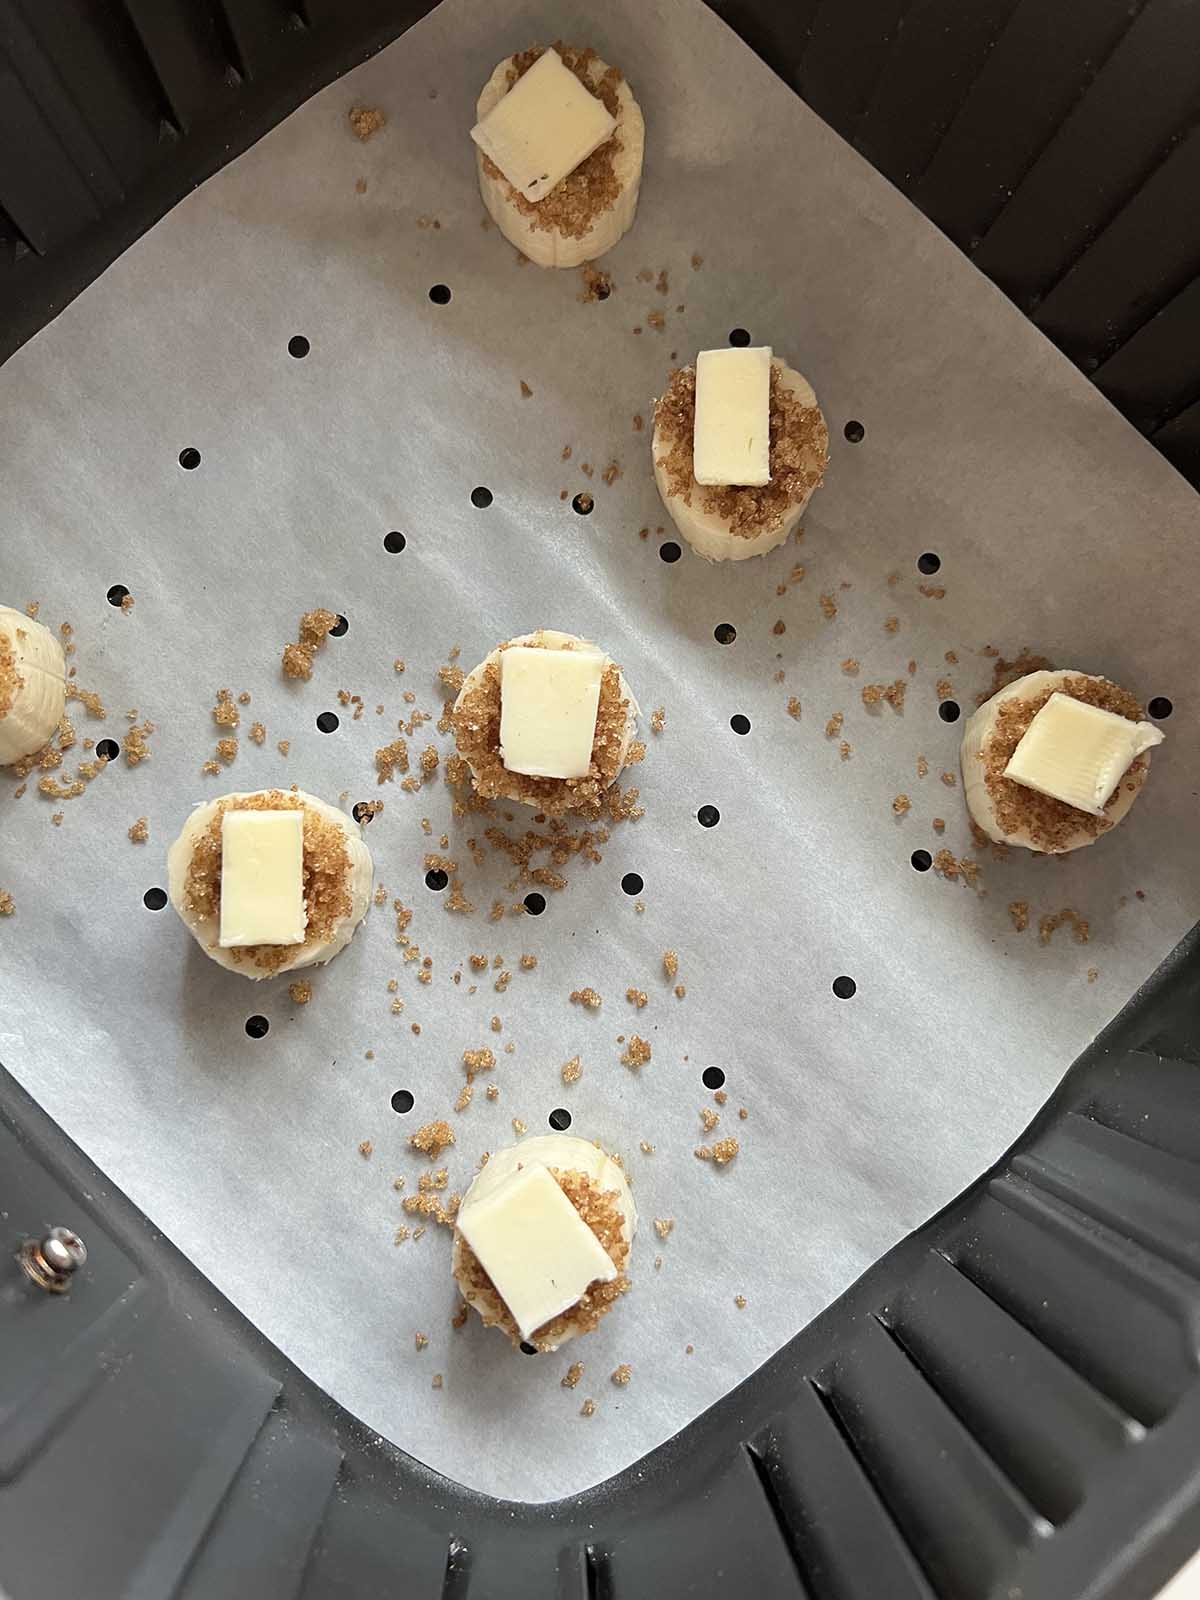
{"x":301,"y":991}
{"x":7,"y":904}
{"x":225,"y":712}
{"x":828,"y":607}
{"x":572,"y":206}
{"x":477,"y":1061}
{"x":572,"y":1375}
{"x":365,"y":1148}
{"x":636,"y":1054}
{"x":850,"y":666}
{"x":670,"y":964}
{"x":572,"y":1070}
{"x":708,"y":1118}
{"x":621,"y":1375}
{"x":834,"y":726}
{"x":588,"y":1408}
{"x":313,"y":628}
{"x":799,"y":454}
{"x":139,"y":832}
{"x":432,"y":1139}
{"x":637,"y":997}
{"x":326,"y":870}
{"x":1049,"y":925}
{"x":1050,"y":824}
{"x":901,"y":805}
{"x":1018,"y":910}
{"x":597,"y":286}
{"x":391,"y":759}
{"x":366,"y":121}
{"x":794,"y":709}
{"x":476,"y":721}
{"x":722,"y":1152}
{"x":587,"y":998}
{"x":600,"y":1209}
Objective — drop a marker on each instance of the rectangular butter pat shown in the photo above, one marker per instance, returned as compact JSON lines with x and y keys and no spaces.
{"x":534,"y":1246}
{"x":262,"y":878}
{"x":543,"y":128}
{"x":548,"y":705}
{"x":1078,"y":753}
{"x":731,"y":441}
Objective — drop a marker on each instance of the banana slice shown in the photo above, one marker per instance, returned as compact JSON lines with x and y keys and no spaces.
{"x":565,"y":1154}
{"x":1011,"y":814}
{"x":33,"y":685}
{"x":337,"y":881}
{"x":733,"y":524}
{"x":594,"y":206}
{"x":477,"y":733}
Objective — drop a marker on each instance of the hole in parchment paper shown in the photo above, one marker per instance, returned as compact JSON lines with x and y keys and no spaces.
{"x":712,"y":1078}
{"x":117,"y":593}
{"x":481,"y":497}
{"x":328,"y":722}
{"x":440,"y":294}
{"x":535,"y":903}
{"x":528,"y":1349}
{"x":724,"y":633}
{"x":583,"y":504}
{"x":922,"y":860}
{"x":109,"y":749}
{"x":854,"y":431}
{"x":739,"y":723}
{"x":1160,"y":707}
{"x":298,"y":346}
{"x":189,"y":459}
{"x":340,"y":628}
{"x":436,"y":879}
{"x":257,"y":1027}
{"x":844,"y":988}
{"x":632,"y":883}
{"x":361,"y":812}
{"x":708,"y":816}
{"x":154,"y":899}
{"x":559,"y":1120}
{"x":739,"y":336}
{"x":402,"y":1101}
{"x":669,"y":552}
{"x":394,"y":542}
{"x":949,"y":711}
{"x":928,"y":563}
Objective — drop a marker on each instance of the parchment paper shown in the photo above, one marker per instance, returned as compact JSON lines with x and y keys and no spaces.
{"x":1057,"y":527}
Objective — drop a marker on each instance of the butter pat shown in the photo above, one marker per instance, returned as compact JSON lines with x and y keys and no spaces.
{"x":548,"y":705}
{"x":731,"y":443}
{"x":262,"y":878}
{"x":534,"y":1246}
{"x":1078,"y":753}
{"x":543,"y":128}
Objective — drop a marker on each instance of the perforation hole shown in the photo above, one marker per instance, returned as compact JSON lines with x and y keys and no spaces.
{"x":436,"y":879}
{"x":116,"y":594}
{"x":855,"y":432}
{"x":108,"y":749}
{"x":739,"y":337}
{"x":535,"y":903}
{"x":394,"y":542}
{"x":708,"y":816}
{"x":189,"y":459}
{"x":669,"y":552}
{"x":440,"y":294}
{"x":921,"y":860}
{"x":739,"y":723}
{"x":949,"y":710}
{"x":559,"y":1119}
{"x":298,"y":346}
{"x":632,"y":883}
{"x":844,"y":988}
{"x":583,"y":504}
{"x":928,"y":563}
{"x":329,"y":722}
{"x":481,"y":497}
{"x":712,"y":1078}
{"x":724,"y":633}
{"x":402,"y":1101}
{"x":257,"y":1027}
{"x":340,"y":628}
{"x":1160,"y":708}
{"x":154,"y":899}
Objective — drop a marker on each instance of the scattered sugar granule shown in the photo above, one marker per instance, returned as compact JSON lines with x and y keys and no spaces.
{"x":420,"y":1340}
{"x":680,"y":991}
{"x":588,"y":1408}
{"x":587,"y":998}
{"x":793,"y":708}
{"x":301,"y":991}
{"x":901,"y":805}
{"x":636,"y":1054}
{"x":922,"y":767}
{"x":572,"y":1070}
{"x":519,"y":1128}
{"x":365,"y":1147}
{"x":658,"y":720}
{"x":1018,"y":910}
{"x":829,"y":607}
{"x":432,"y":1139}
{"x":739,"y":1301}
{"x":834,"y":726}
{"x":850,"y":666}
{"x":140,"y":831}
{"x":646,"y":1148}
{"x":664,"y":1226}
{"x":637,"y":997}
{"x":528,"y":963}
{"x":708,"y":1118}
{"x":366,"y":121}
{"x":670,"y":964}
{"x":572,"y":1375}
{"x":258,"y":732}
{"x":436,"y":1381}
{"x":621,"y":1375}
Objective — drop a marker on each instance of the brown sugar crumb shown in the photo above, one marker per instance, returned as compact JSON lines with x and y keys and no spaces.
{"x":600,"y":1210}
{"x":720,"y":1096}
{"x":227,"y":750}
{"x":365,"y":1147}
{"x":420,"y":1340}
{"x":587,"y":998}
{"x":211,"y":768}
{"x":670,"y":963}
{"x":945,"y":689}
{"x":794,"y":709}
{"x":799,"y":454}
{"x":639,"y":422}
{"x":258,"y":732}
{"x":949,"y":779}
{"x":844,"y":750}
{"x":956,"y":869}
{"x":780,"y":627}
{"x":724,"y":1151}
{"x":437,"y":1381}
{"x":611,"y":473}
{"x":922,"y":767}
{"x":850,"y":666}
{"x":225,"y":712}
{"x":477,"y":1061}
{"x":572,"y":1070}
{"x":572,"y":1375}
{"x":57,"y":818}
{"x":636,"y":1053}
{"x":939,"y":824}
{"x":432,"y":1139}
{"x":901,"y":805}
{"x":637,"y":997}
{"x":301,"y":991}
{"x":391,"y":759}
{"x":402,"y":1233}
{"x":1092,"y":974}
{"x":931,"y":591}
{"x":597,"y":286}
{"x":621,"y":1375}
{"x":313,"y":629}
{"x":1018,"y":910}
{"x":1049,"y":925}
{"x":465,"y":1096}
{"x":7,"y":904}
{"x":519,"y":1128}
{"x":478,"y":963}
{"x":360,"y":186}
{"x":366,"y":121}
{"x":528,"y":963}
{"x":873,"y":694}
{"x":709,"y":1118}
{"x":526,"y":391}
{"x":743,"y":1113}
{"x":429,"y":761}
{"x":680,"y":991}
{"x":739,"y":1301}
{"x":284,"y":746}
{"x":828,"y":606}
{"x":834,"y":726}
{"x":139,"y":832}
{"x":891,"y":625}
{"x":588,"y":1408}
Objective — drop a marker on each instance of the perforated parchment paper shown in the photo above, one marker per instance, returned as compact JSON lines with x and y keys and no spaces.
{"x":1057,"y":527}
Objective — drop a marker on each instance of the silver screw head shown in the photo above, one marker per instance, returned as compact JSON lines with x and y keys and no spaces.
{"x":64,"y":1252}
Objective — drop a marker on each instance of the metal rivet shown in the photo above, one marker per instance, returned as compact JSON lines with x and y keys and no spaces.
{"x":53,"y":1261}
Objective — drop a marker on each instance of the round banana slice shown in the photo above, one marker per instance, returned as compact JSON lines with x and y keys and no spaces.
{"x":477,"y":733}
{"x":1008,"y":812}
{"x":729,"y":523}
{"x":594,"y":206}
{"x":337,"y":881}
{"x":586,"y":1173}
{"x":33,"y":685}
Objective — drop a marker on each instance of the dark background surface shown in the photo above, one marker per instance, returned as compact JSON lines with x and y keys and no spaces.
{"x":1007,"y":1407}
{"x":1057,"y":142}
